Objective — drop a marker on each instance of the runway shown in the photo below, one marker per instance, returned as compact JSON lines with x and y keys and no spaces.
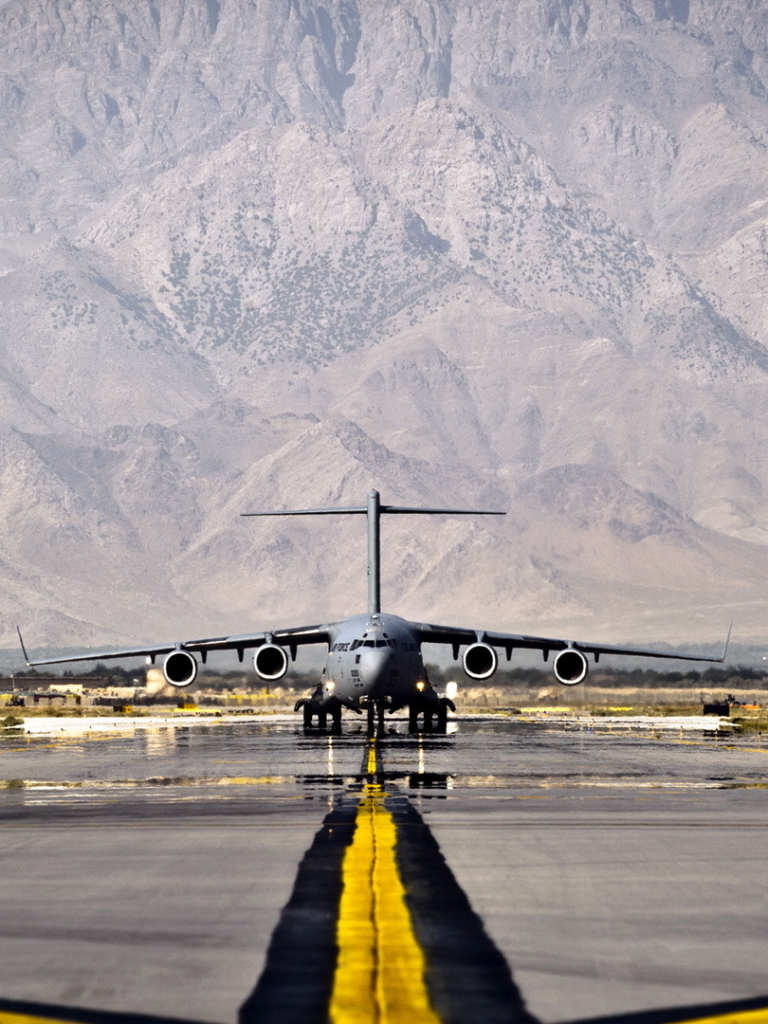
{"x":504,"y":872}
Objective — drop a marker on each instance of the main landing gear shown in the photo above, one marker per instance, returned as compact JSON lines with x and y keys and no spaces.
{"x":311,"y":711}
{"x":435,"y":715}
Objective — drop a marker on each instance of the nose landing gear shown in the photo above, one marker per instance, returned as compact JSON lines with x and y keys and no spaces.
{"x":376,"y":709}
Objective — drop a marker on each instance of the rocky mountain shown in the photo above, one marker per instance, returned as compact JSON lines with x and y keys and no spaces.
{"x":265,"y":255}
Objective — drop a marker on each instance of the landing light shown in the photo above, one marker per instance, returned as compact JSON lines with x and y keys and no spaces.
{"x":419,"y":687}
{"x":330,"y":686}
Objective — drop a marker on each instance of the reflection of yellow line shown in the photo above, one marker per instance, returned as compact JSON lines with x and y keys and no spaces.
{"x":380,"y":969}
{"x":724,"y":746}
{"x":251,"y":780}
{"x":154,"y":781}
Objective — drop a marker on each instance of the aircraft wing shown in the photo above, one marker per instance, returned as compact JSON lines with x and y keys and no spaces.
{"x":290,"y":638}
{"x":457,"y":635}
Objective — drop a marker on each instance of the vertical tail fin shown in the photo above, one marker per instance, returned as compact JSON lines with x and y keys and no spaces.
{"x":374,"y":510}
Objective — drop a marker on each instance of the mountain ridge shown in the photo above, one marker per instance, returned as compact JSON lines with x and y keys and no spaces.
{"x":277,"y":255}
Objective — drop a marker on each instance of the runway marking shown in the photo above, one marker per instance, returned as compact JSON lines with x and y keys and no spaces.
{"x":19,"y":1012}
{"x":380,"y":968}
{"x":377,"y":929}
{"x":23,"y":1018}
{"x":750,"y":1011}
{"x":745,"y":1017}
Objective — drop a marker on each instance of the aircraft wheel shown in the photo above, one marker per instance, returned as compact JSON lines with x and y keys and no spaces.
{"x":322,"y":717}
{"x":307,"y":715}
{"x":413,"y":718}
{"x":428,"y":721}
{"x":336,"y":718}
{"x":442,"y":717}
{"x":371,"y":719}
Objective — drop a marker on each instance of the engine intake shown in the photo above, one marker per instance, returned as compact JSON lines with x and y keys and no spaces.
{"x":480,"y":661}
{"x":270,"y":662}
{"x":180,"y":668}
{"x":570,"y":667}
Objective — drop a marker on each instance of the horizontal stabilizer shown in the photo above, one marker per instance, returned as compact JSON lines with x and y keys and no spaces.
{"x":392,"y":509}
{"x":311,"y":512}
{"x":374,"y":511}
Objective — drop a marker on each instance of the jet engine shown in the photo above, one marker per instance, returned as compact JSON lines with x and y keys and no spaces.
{"x":270,"y":662}
{"x":570,"y":667}
{"x":480,"y":661}
{"x":180,"y":668}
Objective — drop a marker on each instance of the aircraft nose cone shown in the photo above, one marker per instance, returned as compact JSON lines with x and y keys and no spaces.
{"x":375,"y":665}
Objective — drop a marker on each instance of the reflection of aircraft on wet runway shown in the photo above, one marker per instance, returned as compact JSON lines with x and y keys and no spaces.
{"x":374,"y":661}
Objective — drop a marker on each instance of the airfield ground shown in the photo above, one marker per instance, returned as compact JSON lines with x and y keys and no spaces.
{"x":748,"y":713}
{"x":555,"y":869}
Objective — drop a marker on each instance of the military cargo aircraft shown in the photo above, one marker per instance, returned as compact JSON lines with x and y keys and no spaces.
{"x":374,"y":662}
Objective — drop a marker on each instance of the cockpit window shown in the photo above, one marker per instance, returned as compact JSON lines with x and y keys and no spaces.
{"x":369,"y":643}
{"x":381,"y":643}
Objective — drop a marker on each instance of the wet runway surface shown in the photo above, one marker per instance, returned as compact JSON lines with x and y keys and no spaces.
{"x":504,"y":872}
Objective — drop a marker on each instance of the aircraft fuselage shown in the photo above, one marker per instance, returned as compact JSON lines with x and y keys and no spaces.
{"x":373,"y":658}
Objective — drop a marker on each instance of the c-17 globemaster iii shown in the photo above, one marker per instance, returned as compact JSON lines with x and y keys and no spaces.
{"x":374,"y":661}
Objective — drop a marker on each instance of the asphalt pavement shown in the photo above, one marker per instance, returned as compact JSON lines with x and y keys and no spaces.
{"x":507,"y":871}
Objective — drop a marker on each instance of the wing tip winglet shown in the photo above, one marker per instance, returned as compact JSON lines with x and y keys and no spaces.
{"x":727,"y":641}
{"x":23,"y":648}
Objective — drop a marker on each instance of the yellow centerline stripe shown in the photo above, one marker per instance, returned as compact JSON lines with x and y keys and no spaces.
{"x":380,"y":968}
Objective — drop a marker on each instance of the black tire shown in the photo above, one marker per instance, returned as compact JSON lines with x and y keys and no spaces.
{"x":307,"y":715}
{"x":413,"y":719}
{"x":442,"y":716}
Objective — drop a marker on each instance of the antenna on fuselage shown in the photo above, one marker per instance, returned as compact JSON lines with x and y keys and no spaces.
{"x":374,"y":511}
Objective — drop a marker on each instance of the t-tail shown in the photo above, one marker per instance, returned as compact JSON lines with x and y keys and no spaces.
{"x":374,"y":511}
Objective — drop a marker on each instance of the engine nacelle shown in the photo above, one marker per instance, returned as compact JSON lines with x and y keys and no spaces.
{"x":180,"y":668}
{"x":570,"y":667}
{"x":480,"y":661}
{"x":270,"y":662}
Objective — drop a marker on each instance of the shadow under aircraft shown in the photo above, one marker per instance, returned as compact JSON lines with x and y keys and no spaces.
{"x":374,"y":661}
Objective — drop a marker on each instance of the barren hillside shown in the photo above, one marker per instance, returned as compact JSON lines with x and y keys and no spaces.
{"x":270,"y":255}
